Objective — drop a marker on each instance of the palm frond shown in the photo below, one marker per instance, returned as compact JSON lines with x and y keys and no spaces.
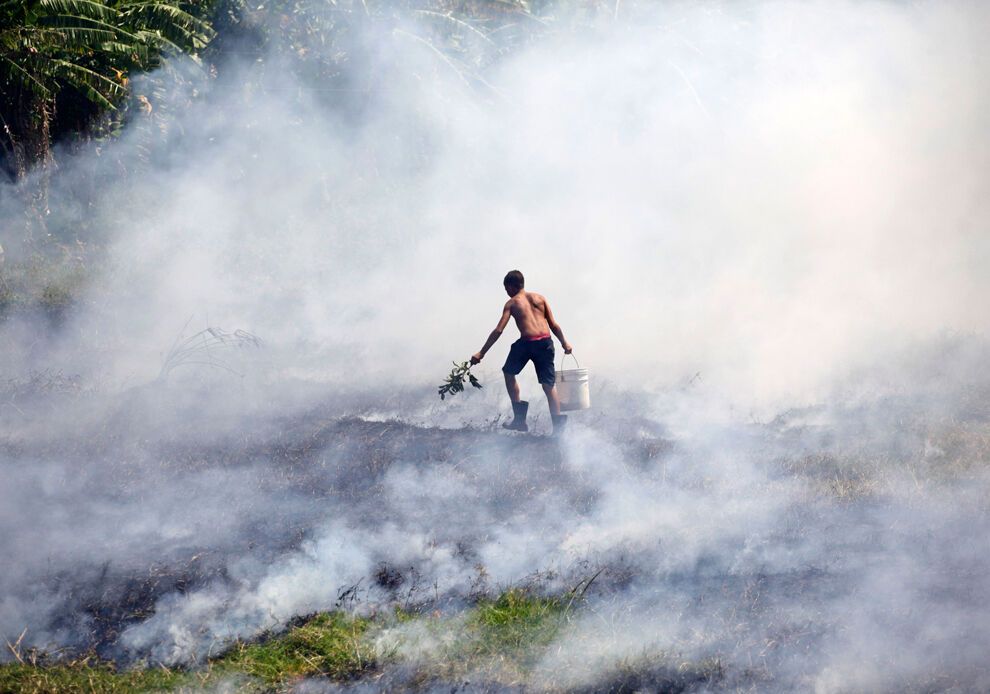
{"x":157,"y":42}
{"x":26,"y":79}
{"x":79,"y":37}
{"x":71,"y":22}
{"x":112,"y":47}
{"x":79,"y":8}
{"x":168,"y":20}
{"x":98,"y":88}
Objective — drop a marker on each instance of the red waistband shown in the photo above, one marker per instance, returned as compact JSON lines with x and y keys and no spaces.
{"x":537,"y":337}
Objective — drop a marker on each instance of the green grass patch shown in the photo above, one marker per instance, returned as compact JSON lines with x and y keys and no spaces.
{"x":503,"y":637}
{"x":329,"y":645}
{"x":499,"y":639}
{"x":516,"y":624}
{"x":85,"y":676}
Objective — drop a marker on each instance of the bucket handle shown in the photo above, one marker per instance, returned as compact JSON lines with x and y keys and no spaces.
{"x":562,"y":363}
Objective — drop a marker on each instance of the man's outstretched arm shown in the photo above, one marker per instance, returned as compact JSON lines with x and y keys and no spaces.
{"x":493,"y":337}
{"x":556,"y":329}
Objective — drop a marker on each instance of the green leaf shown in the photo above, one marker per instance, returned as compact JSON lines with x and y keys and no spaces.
{"x":454,"y":383}
{"x":79,"y":8}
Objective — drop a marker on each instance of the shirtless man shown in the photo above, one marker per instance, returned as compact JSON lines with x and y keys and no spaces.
{"x":535,"y":322}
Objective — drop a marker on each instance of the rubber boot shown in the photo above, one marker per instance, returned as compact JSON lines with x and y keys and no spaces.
{"x":518,"y":422}
{"x":559,"y":423}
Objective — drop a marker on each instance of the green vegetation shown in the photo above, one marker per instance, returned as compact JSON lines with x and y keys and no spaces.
{"x":78,"y":55}
{"x":501,"y":637}
{"x":84,"y":676}
{"x":65,"y":62}
{"x":454,"y":383}
{"x":328,"y":645}
{"x":515,"y":624}
{"x":68,"y":69}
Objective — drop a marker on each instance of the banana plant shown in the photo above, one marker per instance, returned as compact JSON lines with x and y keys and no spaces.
{"x":88,"y":47}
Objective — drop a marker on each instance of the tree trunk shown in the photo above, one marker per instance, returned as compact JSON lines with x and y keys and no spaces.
{"x":32,"y":159}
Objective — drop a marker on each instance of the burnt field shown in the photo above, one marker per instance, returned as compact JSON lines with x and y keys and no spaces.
{"x":832,"y":547}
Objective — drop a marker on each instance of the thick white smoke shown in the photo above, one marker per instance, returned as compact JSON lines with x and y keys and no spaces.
{"x":787,"y":198}
{"x":770,"y":195}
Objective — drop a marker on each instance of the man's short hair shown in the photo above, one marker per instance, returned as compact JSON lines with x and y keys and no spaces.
{"x":514,"y":279}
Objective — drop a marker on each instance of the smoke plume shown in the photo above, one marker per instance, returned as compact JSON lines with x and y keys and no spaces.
{"x":763,"y":228}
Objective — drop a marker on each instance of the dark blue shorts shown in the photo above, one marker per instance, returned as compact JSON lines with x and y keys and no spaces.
{"x":540,"y":352}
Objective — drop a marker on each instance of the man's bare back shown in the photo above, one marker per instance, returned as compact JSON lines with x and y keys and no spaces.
{"x":529,"y":310}
{"x":533,"y":318}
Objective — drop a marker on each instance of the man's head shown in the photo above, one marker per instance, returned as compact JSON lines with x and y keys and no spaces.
{"x":514,"y":282}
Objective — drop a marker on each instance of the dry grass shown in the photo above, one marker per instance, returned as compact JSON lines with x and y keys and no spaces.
{"x":947,"y":453}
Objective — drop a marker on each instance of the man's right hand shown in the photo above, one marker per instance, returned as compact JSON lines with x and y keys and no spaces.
{"x":476,"y":358}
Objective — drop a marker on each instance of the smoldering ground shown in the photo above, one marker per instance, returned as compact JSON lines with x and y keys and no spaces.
{"x":836,"y":548}
{"x":787,"y":198}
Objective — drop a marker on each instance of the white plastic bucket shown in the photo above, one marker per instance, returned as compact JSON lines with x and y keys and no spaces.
{"x":573,"y":387}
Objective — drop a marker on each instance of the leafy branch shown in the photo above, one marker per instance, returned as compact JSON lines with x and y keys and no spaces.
{"x":454,"y":383}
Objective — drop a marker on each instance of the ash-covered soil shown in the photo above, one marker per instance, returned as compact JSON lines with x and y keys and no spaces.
{"x":829,"y":548}
{"x":191,"y":481}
